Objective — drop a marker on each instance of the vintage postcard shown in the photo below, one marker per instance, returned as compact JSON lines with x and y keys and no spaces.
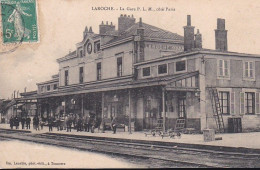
{"x":129,"y":84}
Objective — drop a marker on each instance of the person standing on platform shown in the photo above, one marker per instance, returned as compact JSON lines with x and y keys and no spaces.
{"x":16,"y":122}
{"x":37,"y":123}
{"x":80,"y":121}
{"x":69,"y":123}
{"x":65,"y":123}
{"x":92,"y":122}
{"x":50,"y":123}
{"x":23,"y":122}
{"x":74,"y":121}
{"x":41,"y":123}
{"x":11,"y":121}
{"x":34,"y":122}
{"x":28,"y":122}
{"x":86,"y":124}
{"x":113,"y":125}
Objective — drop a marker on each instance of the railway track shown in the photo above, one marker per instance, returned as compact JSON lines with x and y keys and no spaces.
{"x":177,"y":155}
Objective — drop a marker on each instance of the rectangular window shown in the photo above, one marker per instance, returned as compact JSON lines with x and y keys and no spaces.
{"x":81,"y":74}
{"x":66,"y":77}
{"x":48,"y":87}
{"x":146,"y":71}
{"x":119,"y":66}
{"x":42,"y":88}
{"x":162,"y":69}
{"x":98,"y":71}
{"x":249,"y":69}
{"x":96,"y":46}
{"x":223,"y":68}
{"x":55,"y":86}
{"x":180,"y":66}
{"x":250,"y":102}
{"x":224,"y":102}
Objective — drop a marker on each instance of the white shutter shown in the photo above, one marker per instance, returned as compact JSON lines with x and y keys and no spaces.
{"x":242,"y":103}
{"x":232,"y":103}
{"x":257,"y":103}
{"x":220,"y":68}
{"x":246,"y":69}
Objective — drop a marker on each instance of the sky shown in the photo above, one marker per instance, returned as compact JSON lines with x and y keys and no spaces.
{"x":62,"y":22}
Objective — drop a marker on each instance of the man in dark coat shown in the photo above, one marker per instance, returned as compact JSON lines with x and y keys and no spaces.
{"x":23,"y":122}
{"x":74,"y":121}
{"x":113,"y":125}
{"x":16,"y":122}
{"x":92,"y":121}
{"x":50,"y":122}
{"x":86,"y":124}
{"x":37,"y":123}
{"x":28,"y":122}
{"x":11,"y":122}
{"x":69,"y":123}
{"x":34,"y":122}
{"x":79,"y":124}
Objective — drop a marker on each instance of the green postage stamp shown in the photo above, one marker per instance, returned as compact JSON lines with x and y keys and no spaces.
{"x":19,"y":21}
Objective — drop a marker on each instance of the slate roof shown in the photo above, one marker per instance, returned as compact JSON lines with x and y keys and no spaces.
{"x":149,"y":31}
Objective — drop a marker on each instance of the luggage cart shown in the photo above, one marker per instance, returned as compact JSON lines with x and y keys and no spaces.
{"x":179,"y":127}
{"x":158,"y":129}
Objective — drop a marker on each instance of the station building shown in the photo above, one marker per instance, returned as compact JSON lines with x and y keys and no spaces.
{"x":140,"y":73}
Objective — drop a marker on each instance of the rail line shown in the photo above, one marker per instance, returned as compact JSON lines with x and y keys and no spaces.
{"x":145,"y":146}
{"x":143,"y":150}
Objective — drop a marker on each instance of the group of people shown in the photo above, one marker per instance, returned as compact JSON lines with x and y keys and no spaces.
{"x":86,"y":123}
{"x":15,"y":121}
{"x":37,"y":122}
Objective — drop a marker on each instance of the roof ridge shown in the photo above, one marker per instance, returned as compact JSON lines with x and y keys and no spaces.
{"x":161,"y":29}
{"x":149,"y":32}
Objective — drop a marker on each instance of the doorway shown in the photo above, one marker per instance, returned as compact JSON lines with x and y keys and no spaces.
{"x":182,"y":105}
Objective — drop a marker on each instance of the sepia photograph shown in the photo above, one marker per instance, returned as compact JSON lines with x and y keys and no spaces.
{"x":129,"y":84}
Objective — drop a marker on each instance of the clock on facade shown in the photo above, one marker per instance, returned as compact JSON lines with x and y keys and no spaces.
{"x":89,"y":48}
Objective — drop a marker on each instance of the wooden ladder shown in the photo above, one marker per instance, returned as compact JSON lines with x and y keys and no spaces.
{"x":217,"y":111}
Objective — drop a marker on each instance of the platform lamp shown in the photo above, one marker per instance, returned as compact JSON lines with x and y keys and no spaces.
{"x":73,"y":102}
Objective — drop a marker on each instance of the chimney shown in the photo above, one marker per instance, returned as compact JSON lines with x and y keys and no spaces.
{"x":139,"y":43}
{"x":90,"y":30}
{"x":106,"y":28}
{"x":221,"y":35}
{"x":85,"y":31}
{"x":188,"y":35}
{"x":198,"y":39}
{"x":125,"y":22}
